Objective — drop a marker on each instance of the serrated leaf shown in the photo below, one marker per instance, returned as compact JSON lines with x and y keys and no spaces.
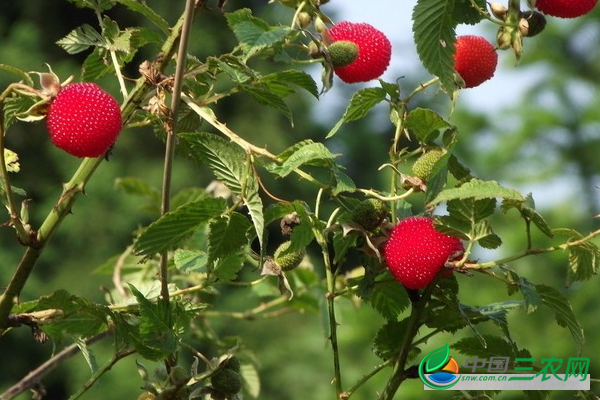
{"x":360,"y":104}
{"x":253,"y":33}
{"x":24,"y":76}
{"x":294,"y":77}
{"x":226,"y":160}
{"x":255,"y":207}
{"x":493,"y":346}
{"x":177,"y":225}
{"x":434,"y":35}
{"x":81,"y":38}
{"x":226,"y":235}
{"x":388,"y":297}
{"x":87,"y":354}
{"x":266,"y":96}
{"x":477,"y":189}
{"x":227,"y":267}
{"x":388,"y":341}
{"x":305,"y":152}
{"x":425,"y":124}
{"x":527,"y":209}
{"x":190,"y":261}
{"x":143,"y":9}
{"x":155,"y":332}
{"x":565,"y":316}
{"x":343,"y":183}
{"x":97,"y":5}
{"x":81,"y":318}
{"x":532,"y":298}
{"x":465,"y":13}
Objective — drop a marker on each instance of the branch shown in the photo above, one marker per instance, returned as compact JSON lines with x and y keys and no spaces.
{"x":76,"y":185}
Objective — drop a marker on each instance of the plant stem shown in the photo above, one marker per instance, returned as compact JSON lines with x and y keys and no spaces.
{"x":188,"y":17}
{"x":34,"y":377}
{"x":76,"y":186}
{"x":414,"y":321}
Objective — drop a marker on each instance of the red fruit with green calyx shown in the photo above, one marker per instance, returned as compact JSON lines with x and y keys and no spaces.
{"x":475,"y":59}
{"x":374,"y":51}
{"x":565,"y":8}
{"x":84,"y":120}
{"x":416,"y":251}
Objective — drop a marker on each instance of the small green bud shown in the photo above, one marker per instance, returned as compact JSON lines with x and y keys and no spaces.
{"x":226,"y":381}
{"x":423,"y":167}
{"x":179,"y":376}
{"x":288,"y":260}
{"x":342,"y":53}
{"x":369,"y":214}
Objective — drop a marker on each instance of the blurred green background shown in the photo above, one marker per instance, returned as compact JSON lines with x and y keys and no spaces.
{"x":546,"y":142}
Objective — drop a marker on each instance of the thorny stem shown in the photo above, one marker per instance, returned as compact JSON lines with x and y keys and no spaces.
{"x":188,"y":16}
{"x":76,"y":185}
{"x":348,"y":393}
{"x":414,"y":320}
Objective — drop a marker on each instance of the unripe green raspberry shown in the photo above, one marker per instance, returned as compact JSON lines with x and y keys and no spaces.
{"x":288,"y":260}
{"x":342,"y":53}
{"x":423,"y":167}
{"x":232,"y":363}
{"x":369,"y":214}
{"x":226,"y":381}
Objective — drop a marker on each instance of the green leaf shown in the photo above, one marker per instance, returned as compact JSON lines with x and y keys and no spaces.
{"x":253,"y":33}
{"x":24,"y":76}
{"x":425,"y":124}
{"x":142,"y":8}
{"x":527,"y":209}
{"x":81,"y":38}
{"x":477,"y":189}
{"x":304,"y":152}
{"x":97,"y":5}
{"x":492,"y":346}
{"x":226,"y":160}
{"x":88,"y":354}
{"x":265,"y":95}
{"x":177,"y":225}
{"x":81,"y":318}
{"x":583,"y":257}
{"x":227,"y":267}
{"x":388,"y":297}
{"x":360,"y":104}
{"x":343,"y":183}
{"x":387,"y":342}
{"x":465,"y":13}
{"x":565,"y":317}
{"x":433,"y":29}
{"x":226,"y":235}
{"x":155,"y":332}
{"x":294,"y":77}
{"x":251,"y":380}
{"x":255,"y":207}
{"x":190,"y":261}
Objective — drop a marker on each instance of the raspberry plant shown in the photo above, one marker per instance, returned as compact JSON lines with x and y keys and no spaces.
{"x":205,"y":240}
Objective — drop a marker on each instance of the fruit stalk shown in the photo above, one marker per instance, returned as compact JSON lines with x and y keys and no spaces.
{"x":77,"y":183}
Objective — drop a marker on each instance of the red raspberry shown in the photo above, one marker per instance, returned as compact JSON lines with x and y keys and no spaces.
{"x":374,"y":51}
{"x":565,"y":8}
{"x":475,"y":60}
{"x":84,"y":120}
{"x":416,"y":252}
